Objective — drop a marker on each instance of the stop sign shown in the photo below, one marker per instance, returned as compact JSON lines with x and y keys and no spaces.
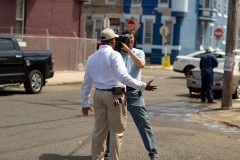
{"x":131,"y":25}
{"x":218,"y":33}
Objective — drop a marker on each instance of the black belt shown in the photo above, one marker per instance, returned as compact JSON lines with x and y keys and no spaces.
{"x":130,"y":89}
{"x":105,"y":89}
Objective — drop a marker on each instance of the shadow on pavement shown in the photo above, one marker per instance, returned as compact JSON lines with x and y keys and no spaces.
{"x":176,"y":78}
{"x":58,"y":157}
{"x":184,"y":95}
{"x":11,"y":92}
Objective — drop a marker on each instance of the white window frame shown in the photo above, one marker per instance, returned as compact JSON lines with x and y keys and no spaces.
{"x":107,"y":2}
{"x":23,"y":13}
{"x":220,"y":8}
{"x":224,"y":35}
{"x":94,"y":26}
{"x":163,"y":4}
{"x":211,"y":36}
{"x":88,"y":2}
{"x":144,"y":19}
{"x":168,"y":19}
{"x":147,"y":47}
{"x":225,"y":9}
{"x":203,"y":25}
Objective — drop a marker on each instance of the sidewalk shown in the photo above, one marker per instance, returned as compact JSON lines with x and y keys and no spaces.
{"x":229,"y":117}
{"x":70,"y":77}
{"x":213,"y":112}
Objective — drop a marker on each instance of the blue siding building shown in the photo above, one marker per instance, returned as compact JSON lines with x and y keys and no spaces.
{"x":191,"y":25}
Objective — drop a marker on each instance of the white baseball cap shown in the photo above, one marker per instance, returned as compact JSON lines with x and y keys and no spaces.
{"x":107,"y":34}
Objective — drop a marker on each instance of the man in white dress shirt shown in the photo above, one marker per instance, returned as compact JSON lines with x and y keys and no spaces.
{"x":106,"y":69}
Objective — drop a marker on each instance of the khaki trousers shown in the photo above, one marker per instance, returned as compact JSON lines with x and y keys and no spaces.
{"x":108,"y":118}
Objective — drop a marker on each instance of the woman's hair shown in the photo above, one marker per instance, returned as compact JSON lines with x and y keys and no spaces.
{"x":127,"y":31}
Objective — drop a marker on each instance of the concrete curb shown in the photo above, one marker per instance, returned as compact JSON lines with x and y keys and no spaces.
{"x":64,"y":83}
{"x":229,"y":117}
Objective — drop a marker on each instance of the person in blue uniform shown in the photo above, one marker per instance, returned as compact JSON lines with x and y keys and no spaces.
{"x":207,"y":63}
{"x":134,"y":60}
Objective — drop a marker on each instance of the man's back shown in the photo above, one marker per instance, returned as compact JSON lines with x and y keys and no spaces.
{"x":208,"y":61}
{"x":103,"y":61}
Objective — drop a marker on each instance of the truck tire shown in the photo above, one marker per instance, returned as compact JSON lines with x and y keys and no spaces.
{"x":34,"y":82}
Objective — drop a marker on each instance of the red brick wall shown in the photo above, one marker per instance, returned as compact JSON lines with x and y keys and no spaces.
{"x":61,"y":18}
{"x":7,"y":15}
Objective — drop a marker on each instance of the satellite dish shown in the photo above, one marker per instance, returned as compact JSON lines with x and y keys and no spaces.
{"x":88,"y":13}
{"x":89,"y":22}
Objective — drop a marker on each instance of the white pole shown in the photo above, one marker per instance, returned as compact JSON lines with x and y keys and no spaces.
{"x":77,"y":51}
{"x":95,"y":41}
{"x":11,"y":30}
{"x":85,"y":46}
{"x":47,"y":39}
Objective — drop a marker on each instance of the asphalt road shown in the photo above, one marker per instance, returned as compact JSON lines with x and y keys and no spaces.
{"x":50,"y":125}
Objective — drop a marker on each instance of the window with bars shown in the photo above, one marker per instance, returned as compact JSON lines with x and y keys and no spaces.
{"x":169,"y":36}
{"x":98,"y":28}
{"x":148,"y":32}
{"x":225,"y":7}
{"x":20,"y":16}
{"x":219,"y":5}
{"x":207,"y":3}
{"x":110,"y":1}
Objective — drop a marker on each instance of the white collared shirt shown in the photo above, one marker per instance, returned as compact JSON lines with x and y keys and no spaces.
{"x":106,"y":69}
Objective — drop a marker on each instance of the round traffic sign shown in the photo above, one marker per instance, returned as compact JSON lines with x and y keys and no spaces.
{"x":131,"y":25}
{"x":218,"y":33}
{"x":164,"y":31}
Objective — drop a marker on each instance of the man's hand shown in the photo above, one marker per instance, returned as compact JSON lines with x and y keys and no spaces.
{"x":125,"y":48}
{"x":85,"y":111}
{"x":150,"y":87}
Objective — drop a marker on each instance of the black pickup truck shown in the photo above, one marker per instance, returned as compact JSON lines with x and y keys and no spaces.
{"x":29,"y":67}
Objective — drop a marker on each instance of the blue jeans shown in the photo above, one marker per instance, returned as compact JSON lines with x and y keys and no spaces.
{"x":136,"y":106}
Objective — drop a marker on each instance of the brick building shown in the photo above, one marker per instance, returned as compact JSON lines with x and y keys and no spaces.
{"x":60,"y":17}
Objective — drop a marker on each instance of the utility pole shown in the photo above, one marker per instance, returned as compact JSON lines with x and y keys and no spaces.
{"x":230,"y":53}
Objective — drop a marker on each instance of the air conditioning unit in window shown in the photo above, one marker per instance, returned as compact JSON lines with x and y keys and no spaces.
{"x":136,"y":1}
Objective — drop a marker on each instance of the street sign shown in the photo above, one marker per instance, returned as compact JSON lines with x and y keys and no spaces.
{"x":133,"y":25}
{"x":166,"y":61}
{"x":218,"y":33}
{"x":106,"y":22}
{"x":164,"y":31}
{"x":130,"y":24}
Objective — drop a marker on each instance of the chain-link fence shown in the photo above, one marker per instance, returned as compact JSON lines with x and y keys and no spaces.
{"x":70,"y":53}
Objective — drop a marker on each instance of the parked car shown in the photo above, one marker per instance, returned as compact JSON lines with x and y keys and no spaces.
{"x":194,"y":79}
{"x":183,"y":64}
{"x":29,"y":67}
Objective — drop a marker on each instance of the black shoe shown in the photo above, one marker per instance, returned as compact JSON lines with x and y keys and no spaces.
{"x":203,"y":101}
{"x":106,"y":154}
{"x":211,"y":102}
